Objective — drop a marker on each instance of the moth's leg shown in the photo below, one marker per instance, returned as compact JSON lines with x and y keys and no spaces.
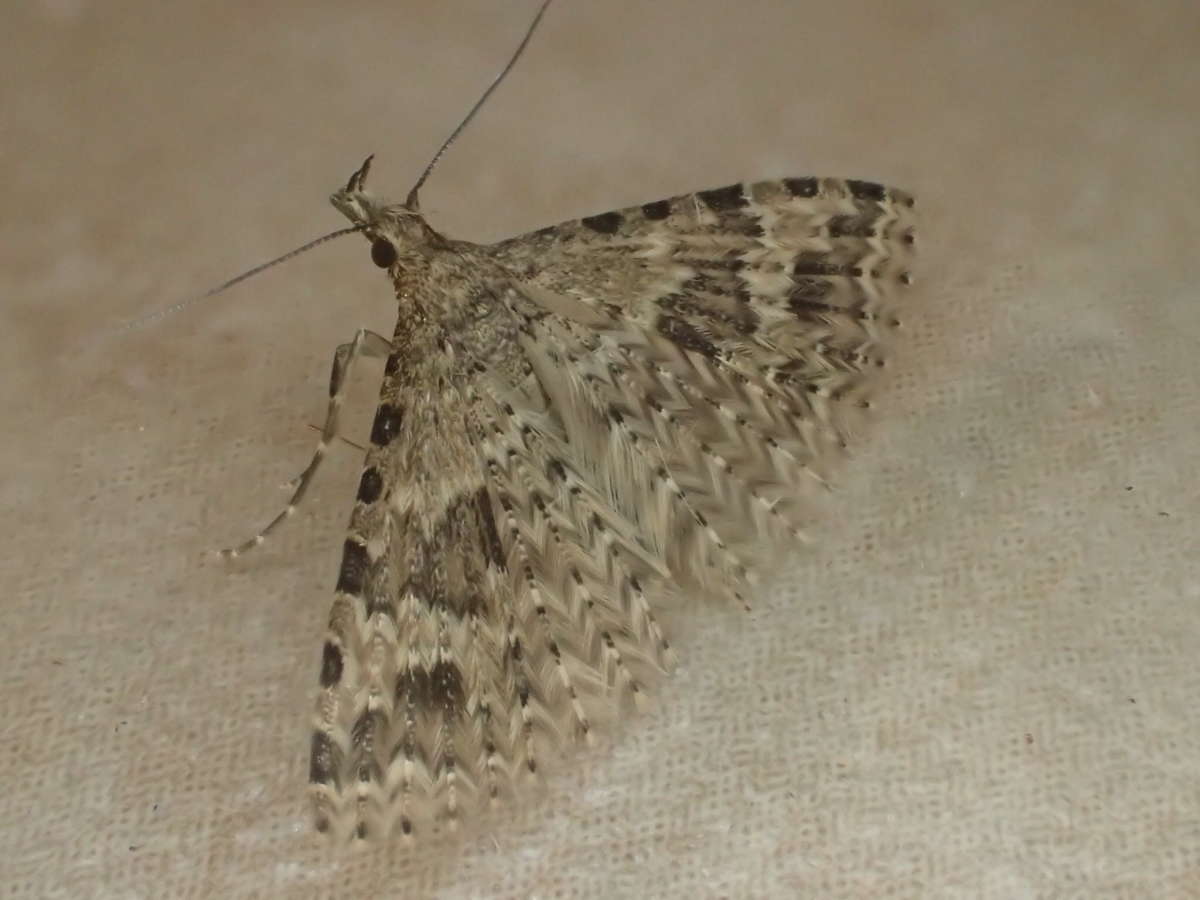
{"x":365,"y":343}
{"x":290,"y":484}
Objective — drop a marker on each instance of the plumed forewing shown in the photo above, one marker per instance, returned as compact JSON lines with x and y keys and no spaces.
{"x":710,"y":350}
{"x":796,"y":278}
{"x":491,"y":609}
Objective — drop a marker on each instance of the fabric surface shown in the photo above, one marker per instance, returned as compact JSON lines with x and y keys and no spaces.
{"x":979,"y":681}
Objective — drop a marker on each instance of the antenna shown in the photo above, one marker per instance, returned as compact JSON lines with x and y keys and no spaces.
{"x":355,"y":182}
{"x":411,"y":201}
{"x":237,"y":279}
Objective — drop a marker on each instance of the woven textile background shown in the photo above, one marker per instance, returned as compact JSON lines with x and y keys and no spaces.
{"x":980,"y":681}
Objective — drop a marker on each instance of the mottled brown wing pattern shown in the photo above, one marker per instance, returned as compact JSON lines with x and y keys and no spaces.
{"x":491,"y":606}
{"x":576,"y":428}
{"x":734,"y":333}
{"x":791,"y":281}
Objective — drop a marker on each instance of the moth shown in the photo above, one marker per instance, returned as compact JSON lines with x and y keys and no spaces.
{"x":576,"y":427}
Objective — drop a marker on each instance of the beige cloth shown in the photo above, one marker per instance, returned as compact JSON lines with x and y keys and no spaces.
{"x":981,"y":681}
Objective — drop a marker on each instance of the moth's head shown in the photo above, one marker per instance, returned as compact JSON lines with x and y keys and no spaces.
{"x":388,"y":226}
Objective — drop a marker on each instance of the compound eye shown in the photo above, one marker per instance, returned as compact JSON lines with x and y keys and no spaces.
{"x":383,"y":254}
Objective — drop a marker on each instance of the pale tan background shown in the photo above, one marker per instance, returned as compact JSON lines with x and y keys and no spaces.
{"x":983,"y":680}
